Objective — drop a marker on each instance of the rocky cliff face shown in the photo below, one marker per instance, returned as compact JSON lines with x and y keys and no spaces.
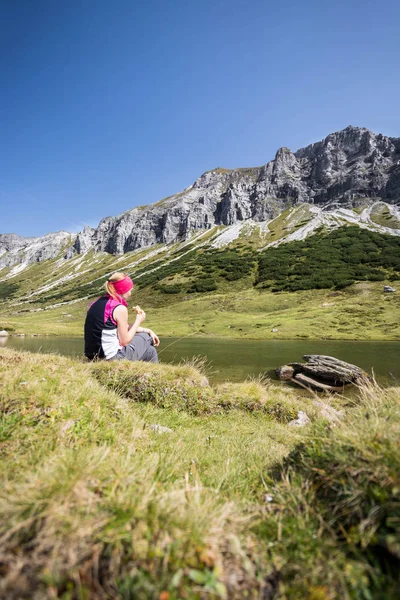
{"x":19,"y":250}
{"x":345,"y":169}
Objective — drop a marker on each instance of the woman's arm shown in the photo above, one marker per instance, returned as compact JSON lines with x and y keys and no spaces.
{"x":154,"y":336}
{"x":126,"y":332}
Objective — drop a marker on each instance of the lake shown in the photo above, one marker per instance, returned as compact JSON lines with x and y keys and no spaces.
{"x":234,"y":360}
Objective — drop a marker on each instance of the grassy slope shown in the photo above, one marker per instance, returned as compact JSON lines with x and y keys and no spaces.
{"x":94,"y":504}
{"x":360,"y":312}
{"x":235,"y":309}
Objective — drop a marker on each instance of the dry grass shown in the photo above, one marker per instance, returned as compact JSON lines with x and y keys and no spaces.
{"x":336,"y":504}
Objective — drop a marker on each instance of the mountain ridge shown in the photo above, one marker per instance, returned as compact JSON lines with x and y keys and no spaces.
{"x":349,"y":169}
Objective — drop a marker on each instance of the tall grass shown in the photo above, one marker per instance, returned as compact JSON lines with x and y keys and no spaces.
{"x":335,"y":509}
{"x":94,"y":504}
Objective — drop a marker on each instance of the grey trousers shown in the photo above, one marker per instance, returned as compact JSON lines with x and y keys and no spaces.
{"x":140,"y":348}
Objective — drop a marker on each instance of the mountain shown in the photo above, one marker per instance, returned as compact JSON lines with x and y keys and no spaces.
{"x":352,"y":176}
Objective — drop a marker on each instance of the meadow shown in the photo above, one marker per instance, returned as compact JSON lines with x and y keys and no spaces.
{"x":360,"y":312}
{"x":329,"y":286}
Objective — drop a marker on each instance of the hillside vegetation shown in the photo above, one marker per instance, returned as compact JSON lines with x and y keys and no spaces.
{"x":329,"y":285}
{"x":232,"y":503}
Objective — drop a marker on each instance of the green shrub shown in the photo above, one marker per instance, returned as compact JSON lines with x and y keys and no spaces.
{"x":203,"y":285}
{"x":8,"y":290}
{"x":334,"y":259}
{"x":171,"y":289}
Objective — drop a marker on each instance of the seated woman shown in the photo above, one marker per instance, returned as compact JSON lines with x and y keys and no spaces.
{"x":107,"y":331}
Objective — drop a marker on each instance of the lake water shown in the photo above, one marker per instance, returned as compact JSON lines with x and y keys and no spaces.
{"x":234,"y":360}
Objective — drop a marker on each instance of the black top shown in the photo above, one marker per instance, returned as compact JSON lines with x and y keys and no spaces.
{"x":95,"y":325}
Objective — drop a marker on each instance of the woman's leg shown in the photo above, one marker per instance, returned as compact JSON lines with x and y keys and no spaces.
{"x":140,"y":348}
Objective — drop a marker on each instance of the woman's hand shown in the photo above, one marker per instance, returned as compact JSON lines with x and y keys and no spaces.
{"x":154,"y":337}
{"x":140,"y":317}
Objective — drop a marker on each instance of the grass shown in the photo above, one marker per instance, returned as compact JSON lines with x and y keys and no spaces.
{"x":52,"y":298}
{"x":233,"y":503}
{"x":382,"y":216}
{"x":360,"y":312}
{"x":337,"y":505}
{"x":80,"y":460}
{"x":286,"y":221}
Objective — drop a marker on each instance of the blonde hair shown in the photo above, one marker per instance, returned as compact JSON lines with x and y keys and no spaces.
{"x":109,"y":284}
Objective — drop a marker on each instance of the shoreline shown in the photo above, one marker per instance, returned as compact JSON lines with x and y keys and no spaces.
{"x":217,"y":337}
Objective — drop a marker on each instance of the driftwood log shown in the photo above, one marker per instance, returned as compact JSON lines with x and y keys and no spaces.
{"x":323,"y":373}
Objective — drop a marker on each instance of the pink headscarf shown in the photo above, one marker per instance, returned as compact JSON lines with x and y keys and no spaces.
{"x":123,"y":286}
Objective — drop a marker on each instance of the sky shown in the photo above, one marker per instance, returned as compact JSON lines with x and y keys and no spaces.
{"x":109,"y":105}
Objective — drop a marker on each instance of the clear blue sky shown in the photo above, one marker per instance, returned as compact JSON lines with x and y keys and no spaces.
{"x":108,"y":105}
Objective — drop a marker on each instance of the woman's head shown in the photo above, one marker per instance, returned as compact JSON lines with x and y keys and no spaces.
{"x":119,"y":284}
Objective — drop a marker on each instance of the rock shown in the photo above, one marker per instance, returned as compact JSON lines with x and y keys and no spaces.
{"x":334,"y":173}
{"x":274,"y":330}
{"x":161,"y":429}
{"x":66,"y":427}
{"x":301,"y":421}
{"x":285,"y":372}
{"x":16,"y":250}
{"x":328,"y":412}
{"x":4,"y":333}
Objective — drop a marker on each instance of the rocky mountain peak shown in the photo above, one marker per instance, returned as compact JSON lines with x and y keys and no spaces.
{"x":345,"y":169}
{"x":212,"y":178}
